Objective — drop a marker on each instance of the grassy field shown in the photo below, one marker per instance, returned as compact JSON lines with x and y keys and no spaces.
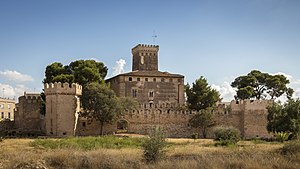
{"x":115,"y":152}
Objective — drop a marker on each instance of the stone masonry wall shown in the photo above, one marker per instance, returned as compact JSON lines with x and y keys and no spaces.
{"x":27,"y":115}
{"x":247,"y":116}
{"x":62,"y":107}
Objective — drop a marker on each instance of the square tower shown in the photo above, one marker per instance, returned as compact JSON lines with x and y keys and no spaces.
{"x":145,"y":57}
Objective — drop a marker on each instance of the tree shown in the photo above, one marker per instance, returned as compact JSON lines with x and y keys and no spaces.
{"x":54,"y":73}
{"x":201,"y":95}
{"x":80,"y":71}
{"x":284,"y":118}
{"x":259,"y":85}
{"x":203,"y":120}
{"x":87,"y":71}
{"x":100,"y":103}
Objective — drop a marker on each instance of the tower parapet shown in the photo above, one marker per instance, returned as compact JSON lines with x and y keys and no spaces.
{"x":62,"y":88}
{"x":145,"y":57}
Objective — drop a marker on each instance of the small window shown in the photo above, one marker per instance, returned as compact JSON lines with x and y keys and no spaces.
{"x":151,"y":94}
{"x":1,"y":106}
{"x":154,"y":79}
{"x":83,"y":124}
{"x":2,"y":115}
{"x":9,"y":115}
{"x":138,"y":79}
{"x":64,"y":133}
{"x":8,"y":106}
{"x":130,"y":79}
{"x":134,"y":92}
{"x":163,"y":79}
{"x":146,"y":79}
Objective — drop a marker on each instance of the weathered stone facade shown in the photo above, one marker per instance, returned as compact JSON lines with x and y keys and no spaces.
{"x":62,"y":107}
{"x":28,"y":118}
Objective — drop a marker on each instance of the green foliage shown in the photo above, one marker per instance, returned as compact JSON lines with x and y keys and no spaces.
{"x":99,"y":102}
{"x":227,"y":136}
{"x":80,"y":71}
{"x":88,"y":143}
{"x":154,"y":146}
{"x":201,"y":95}
{"x":203,"y":120}
{"x":284,"y":118}
{"x":195,"y":136}
{"x":43,"y":104}
{"x":281,"y":136}
{"x":259,"y":85}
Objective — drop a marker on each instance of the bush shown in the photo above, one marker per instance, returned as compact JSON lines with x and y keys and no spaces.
{"x":282,"y":136}
{"x":154,"y":146}
{"x":227,"y":136}
{"x":194,"y":136}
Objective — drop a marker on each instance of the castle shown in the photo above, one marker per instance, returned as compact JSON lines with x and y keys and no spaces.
{"x":159,"y":94}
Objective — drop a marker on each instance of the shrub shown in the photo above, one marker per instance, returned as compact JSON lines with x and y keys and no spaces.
{"x":281,"y":136}
{"x":154,"y":146}
{"x":194,"y":136}
{"x":227,"y":136}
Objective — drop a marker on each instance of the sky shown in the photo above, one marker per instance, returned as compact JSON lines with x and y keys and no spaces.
{"x":217,"y":39}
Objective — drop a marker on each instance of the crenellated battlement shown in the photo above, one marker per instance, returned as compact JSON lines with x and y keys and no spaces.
{"x":62,"y":88}
{"x":248,"y":104}
{"x":32,"y":96}
{"x":145,"y":48}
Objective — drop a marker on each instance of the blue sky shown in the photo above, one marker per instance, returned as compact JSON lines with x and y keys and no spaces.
{"x":217,"y":39}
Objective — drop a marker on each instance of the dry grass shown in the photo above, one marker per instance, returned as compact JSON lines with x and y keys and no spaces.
{"x":182,"y":153}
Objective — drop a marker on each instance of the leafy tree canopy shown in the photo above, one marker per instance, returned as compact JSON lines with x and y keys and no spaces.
{"x":99,"y":102}
{"x":260,"y":85}
{"x":284,"y":118}
{"x":203,"y":120}
{"x":80,"y":71}
{"x":201,"y":95}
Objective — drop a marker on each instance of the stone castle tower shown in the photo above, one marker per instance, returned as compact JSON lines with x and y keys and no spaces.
{"x":145,"y":57}
{"x":62,"y":107}
{"x":146,"y":84}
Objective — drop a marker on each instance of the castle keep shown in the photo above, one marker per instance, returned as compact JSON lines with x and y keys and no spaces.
{"x":160,"y":96}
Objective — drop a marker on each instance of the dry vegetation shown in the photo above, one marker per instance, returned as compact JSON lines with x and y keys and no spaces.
{"x":181,"y":153}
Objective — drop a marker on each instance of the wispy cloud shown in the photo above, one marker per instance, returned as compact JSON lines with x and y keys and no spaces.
{"x":12,"y":92}
{"x":15,"y":76}
{"x":119,"y":67}
{"x":225,"y":90}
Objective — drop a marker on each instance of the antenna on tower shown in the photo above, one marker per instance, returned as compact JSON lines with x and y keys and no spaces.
{"x":154,"y":36}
